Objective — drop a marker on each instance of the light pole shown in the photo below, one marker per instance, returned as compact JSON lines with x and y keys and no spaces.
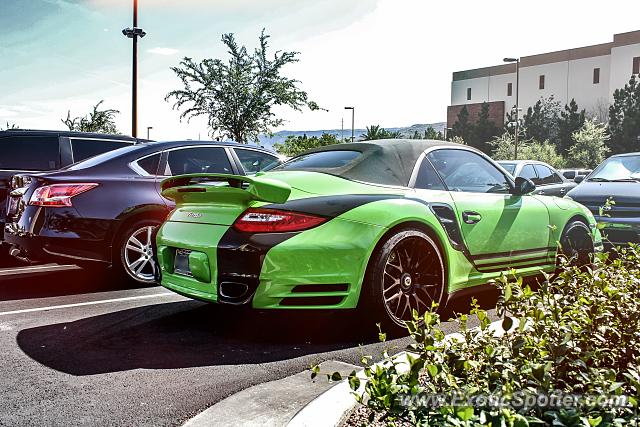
{"x":353,"y":129}
{"x":148,"y":129}
{"x":517,"y":61}
{"x":134,"y":33}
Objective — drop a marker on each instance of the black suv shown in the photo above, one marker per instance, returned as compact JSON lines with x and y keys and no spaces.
{"x":31,"y":151}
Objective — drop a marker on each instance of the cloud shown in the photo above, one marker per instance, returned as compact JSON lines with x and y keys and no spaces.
{"x":167,"y":51}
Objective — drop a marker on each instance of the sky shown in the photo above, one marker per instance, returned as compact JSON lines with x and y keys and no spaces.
{"x":390,"y":59}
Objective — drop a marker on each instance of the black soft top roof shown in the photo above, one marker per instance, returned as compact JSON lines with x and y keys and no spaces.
{"x":383,"y":161}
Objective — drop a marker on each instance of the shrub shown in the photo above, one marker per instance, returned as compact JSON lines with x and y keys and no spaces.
{"x":577,"y":336}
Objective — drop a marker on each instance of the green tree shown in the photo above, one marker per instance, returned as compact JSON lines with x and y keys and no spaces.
{"x":101,"y":121}
{"x":10,"y":126}
{"x":569,"y":122}
{"x":376,"y":132}
{"x":294,"y":145}
{"x":238,"y":96}
{"x":483,"y":131}
{"x":541,"y":121}
{"x":462,"y":127}
{"x":430,"y":133}
{"x":624,"y":118}
{"x":589,"y":149}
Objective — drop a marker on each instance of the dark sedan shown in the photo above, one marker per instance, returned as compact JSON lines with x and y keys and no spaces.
{"x":547,"y":180}
{"x":31,"y":151}
{"x":105,"y":209}
{"x":617,"y":179}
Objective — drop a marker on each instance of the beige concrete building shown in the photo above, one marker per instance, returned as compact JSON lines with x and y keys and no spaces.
{"x":587,"y":74}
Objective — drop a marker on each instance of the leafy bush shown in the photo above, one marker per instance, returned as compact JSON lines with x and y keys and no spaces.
{"x":590,"y":147}
{"x":504,"y":149}
{"x":577,"y":337}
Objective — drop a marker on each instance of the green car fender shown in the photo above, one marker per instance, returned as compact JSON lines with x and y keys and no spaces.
{"x":312,"y":258}
{"x":568,"y":210}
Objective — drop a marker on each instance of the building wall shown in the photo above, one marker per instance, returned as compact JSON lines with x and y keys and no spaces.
{"x":568,"y":75}
{"x":496,"y":112}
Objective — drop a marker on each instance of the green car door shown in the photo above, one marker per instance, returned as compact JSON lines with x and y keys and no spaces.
{"x":500,"y":229}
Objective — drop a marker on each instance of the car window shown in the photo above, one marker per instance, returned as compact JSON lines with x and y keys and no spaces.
{"x":85,"y":148}
{"x":509,"y":167}
{"x":320,"y":160}
{"x":34,"y":153}
{"x":528,"y":172}
{"x":569,"y":174}
{"x":254,"y":161}
{"x":150,"y":164}
{"x":197,"y":160}
{"x":428,"y":178}
{"x":546,"y":176}
{"x":463,"y":170}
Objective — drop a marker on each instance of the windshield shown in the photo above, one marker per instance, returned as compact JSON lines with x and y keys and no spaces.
{"x":621,"y":168}
{"x":509,"y":167}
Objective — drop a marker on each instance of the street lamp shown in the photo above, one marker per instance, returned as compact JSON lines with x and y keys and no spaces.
{"x":517,"y":61}
{"x":148,"y":129}
{"x":353,"y":112}
{"x":134,"y":33}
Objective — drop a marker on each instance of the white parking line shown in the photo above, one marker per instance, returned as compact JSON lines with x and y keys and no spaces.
{"x":80,"y":304}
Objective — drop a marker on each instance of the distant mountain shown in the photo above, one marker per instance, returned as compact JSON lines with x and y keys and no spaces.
{"x":408,"y":131}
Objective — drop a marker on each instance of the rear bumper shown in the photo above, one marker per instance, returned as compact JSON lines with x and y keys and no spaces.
{"x":59,"y":235}
{"x":321,"y":268}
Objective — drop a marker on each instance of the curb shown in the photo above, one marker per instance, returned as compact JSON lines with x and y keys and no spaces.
{"x":331,"y":407}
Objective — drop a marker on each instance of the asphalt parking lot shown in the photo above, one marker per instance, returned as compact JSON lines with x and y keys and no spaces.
{"x":79,"y":349}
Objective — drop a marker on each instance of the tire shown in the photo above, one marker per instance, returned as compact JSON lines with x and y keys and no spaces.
{"x":576,"y":244}
{"x":391,"y":288}
{"x":134,"y":257}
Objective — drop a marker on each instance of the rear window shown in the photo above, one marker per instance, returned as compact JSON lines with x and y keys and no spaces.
{"x":320,"y":160}
{"x":86,"y":148}
{"x":31,"y":153}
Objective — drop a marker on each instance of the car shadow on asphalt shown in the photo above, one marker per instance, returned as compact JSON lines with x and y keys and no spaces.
{"x":189,"y":334}
{"x":57,"y":284}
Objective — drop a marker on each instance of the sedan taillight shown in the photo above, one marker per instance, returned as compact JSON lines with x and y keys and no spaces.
{"x":256,"y":220}
{"x":58,"y":195}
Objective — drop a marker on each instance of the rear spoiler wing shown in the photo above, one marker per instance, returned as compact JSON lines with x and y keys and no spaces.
{"x":197,"y":188}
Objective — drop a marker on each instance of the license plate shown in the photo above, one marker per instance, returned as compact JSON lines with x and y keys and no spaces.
{"x":181,"y":263}
{"x":13,"y":206}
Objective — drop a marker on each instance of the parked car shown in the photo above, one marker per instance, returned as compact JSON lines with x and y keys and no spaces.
{"x":105,"y":209}
{"x":388,"y":226}
{"x":32,"y":151}
{"x":548,"y":181}
{"x":576,"y":175}
{"x":616,"y":179}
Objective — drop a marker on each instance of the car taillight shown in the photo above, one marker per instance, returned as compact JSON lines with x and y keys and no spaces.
{"x":257,"y":220}
{"x":58,"y":195}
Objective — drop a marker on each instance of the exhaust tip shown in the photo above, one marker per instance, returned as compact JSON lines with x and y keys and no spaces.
{"x":233,"y":290}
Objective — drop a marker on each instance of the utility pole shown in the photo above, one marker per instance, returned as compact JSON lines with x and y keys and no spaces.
{"x":517,"y":61}
{"x":148,"y":131}
{"x":134,"y":33}
{"x":353,"y":112}
{"x":342,"y":129}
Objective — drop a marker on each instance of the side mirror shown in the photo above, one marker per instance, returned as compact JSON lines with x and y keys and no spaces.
{"x":578,"y":179}
{"x":523,"y":186}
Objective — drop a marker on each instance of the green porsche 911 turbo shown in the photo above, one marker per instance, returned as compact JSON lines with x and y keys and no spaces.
{"x":386,"y":226}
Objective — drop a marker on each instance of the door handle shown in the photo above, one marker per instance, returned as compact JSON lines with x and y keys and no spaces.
{"x":471,"y":217}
